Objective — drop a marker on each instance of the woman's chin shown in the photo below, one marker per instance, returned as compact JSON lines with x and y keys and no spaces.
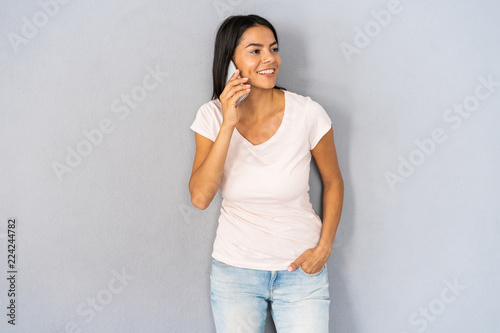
{"x":265,"y":86}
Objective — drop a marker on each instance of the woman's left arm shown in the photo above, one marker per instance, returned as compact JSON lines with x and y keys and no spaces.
{"x":325,"y":156}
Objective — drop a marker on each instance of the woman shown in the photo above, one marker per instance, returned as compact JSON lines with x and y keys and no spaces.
{"x":271,"y":247}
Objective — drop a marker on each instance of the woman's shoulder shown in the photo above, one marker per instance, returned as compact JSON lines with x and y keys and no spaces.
{"x":211,"y":109}
{"x":298,"y":99}
{"x":213,"y":105}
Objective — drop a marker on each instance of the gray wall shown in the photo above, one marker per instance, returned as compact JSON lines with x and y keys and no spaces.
{"x":96,"y":153}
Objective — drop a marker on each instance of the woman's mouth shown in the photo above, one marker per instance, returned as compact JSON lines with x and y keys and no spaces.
{"x":267,"y":72}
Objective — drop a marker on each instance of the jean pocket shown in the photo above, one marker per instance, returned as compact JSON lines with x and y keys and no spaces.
{"x":219,"y":263}
{"x":313,"y":274}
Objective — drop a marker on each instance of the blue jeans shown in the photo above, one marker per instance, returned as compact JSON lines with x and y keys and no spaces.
{"x":299,"y":301}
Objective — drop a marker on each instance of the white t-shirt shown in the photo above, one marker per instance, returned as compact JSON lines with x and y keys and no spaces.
{"x":267,"y":220}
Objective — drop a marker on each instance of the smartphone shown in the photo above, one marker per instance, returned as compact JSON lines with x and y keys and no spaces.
{"x":230,"y":71}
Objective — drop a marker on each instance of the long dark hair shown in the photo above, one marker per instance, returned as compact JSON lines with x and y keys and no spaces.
{"x":228,"y":37}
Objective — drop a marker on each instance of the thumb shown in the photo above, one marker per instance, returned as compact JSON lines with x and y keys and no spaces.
{"x":293,"y":266}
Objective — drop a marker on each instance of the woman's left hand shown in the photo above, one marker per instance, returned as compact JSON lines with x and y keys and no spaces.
{"x":312,"y":260}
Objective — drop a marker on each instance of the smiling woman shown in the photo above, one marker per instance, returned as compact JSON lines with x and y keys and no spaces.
{"x":271,"y":247}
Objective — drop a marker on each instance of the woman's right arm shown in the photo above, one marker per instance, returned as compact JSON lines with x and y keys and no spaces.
{"x":208,"y":166}
{"x":211,"y":156}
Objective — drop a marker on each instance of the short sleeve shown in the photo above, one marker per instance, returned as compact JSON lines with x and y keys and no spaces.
{"x":206,"y":122}
{"x":318,"y":122}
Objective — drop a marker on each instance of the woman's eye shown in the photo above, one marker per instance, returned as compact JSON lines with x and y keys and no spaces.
{"x":276,"y":49}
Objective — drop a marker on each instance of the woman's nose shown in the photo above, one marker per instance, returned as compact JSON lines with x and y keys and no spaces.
{"x":267,"y":56}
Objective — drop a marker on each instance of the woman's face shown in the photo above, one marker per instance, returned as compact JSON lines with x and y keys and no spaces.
{"x":257,"y":51}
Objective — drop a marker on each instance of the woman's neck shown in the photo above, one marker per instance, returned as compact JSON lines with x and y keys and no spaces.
{"x":259,"y":104}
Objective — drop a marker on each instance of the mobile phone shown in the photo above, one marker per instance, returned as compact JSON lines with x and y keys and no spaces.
{"x":230,"y":71}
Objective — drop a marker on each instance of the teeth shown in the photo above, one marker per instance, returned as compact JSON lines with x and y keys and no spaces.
{"x":268,"y":71}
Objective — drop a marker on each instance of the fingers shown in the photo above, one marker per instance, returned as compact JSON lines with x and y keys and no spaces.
{"x":238,"y":80}
{"x":236,"y":87}
{"x":235,"y":74}
{"x":242,"y":90}
{"x":235,"y":78}
{"x":237,"y":95}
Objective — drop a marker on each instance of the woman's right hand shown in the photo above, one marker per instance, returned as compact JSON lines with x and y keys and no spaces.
{"x":231,"y":93}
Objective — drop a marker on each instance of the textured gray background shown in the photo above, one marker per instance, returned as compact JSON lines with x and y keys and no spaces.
{"x":124,"y":209}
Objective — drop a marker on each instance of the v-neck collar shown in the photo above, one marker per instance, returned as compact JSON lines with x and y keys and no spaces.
{"x":275,"y":135}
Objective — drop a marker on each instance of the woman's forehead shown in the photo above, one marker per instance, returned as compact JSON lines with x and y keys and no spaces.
{"x":258,"y":35}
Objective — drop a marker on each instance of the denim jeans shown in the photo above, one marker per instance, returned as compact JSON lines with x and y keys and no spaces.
{"x":240,"y":296}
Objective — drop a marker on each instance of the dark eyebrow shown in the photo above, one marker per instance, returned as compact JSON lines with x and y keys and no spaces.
{"x":260,"y":45}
